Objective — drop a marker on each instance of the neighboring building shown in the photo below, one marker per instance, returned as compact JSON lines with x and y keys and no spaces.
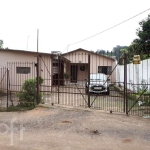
{"x":22,"y":65}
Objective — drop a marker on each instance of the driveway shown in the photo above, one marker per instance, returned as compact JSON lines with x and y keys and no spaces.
{"x":74,"y":95}
{"x":68,"y":128}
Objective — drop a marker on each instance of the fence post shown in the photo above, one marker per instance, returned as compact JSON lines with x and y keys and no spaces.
{"x":124,"y":104}
{"x":37,"y":69}
{"x":125,"y":84}
{"x":89,"y":81}
{"x":38,"y":94}
{"x":58,"y":76}
{"x":7,"y":85}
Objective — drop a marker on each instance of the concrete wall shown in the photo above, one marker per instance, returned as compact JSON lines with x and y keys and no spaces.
{"x":136,"y":74}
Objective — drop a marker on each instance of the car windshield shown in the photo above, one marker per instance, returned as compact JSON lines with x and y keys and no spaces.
{"x":97,"y":77}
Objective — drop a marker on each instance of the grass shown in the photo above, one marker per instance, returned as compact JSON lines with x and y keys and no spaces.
{"x":15,"y":108}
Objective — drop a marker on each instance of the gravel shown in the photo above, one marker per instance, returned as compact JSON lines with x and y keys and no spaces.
{"x":78,"y":128}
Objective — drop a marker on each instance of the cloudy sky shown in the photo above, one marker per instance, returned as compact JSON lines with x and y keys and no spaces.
{"x":63,"y":22}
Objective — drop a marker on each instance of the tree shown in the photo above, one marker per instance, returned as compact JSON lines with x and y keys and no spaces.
{"x":104,"y":52}
{"x":1,"y":44}
{"x":117,"y":51}
{"x":139,"y":45}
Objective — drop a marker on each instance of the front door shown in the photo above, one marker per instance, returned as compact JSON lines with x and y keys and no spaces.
{"x":74,"y":71}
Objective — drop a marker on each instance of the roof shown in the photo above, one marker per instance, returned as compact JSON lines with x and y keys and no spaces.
{"x":24,"y":51}
{"x":80,"y":49}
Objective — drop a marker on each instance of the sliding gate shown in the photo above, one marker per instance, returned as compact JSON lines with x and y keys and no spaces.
{"x":77,"y":68}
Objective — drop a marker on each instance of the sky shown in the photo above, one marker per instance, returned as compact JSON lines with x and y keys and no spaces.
{"x":64,"y":22}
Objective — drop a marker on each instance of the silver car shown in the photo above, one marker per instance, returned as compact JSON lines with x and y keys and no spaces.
{"x":98,"y":84}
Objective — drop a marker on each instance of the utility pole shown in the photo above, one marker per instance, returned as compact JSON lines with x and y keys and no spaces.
{"x":38,"y":92}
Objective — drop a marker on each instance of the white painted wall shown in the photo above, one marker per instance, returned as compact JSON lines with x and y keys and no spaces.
{"x":135,"y":74}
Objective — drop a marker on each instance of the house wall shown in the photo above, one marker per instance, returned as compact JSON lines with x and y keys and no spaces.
{"x":81,"y":57}
{"x":24,"y":59}
{"x":46,"y":72}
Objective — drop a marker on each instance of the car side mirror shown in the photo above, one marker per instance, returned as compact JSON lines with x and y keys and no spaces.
{"x":108,"y":79}
{"x":85,"y":79}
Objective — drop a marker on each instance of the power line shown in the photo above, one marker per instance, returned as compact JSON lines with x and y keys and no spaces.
{"x":109,"y":28}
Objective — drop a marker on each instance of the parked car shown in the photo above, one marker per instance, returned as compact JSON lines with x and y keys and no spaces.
{"x":98,"y":84}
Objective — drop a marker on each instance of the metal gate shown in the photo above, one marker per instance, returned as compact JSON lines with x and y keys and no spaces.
{"x":72,"y":72}
{"x":4,"y":72}
{"x":71,"y":89}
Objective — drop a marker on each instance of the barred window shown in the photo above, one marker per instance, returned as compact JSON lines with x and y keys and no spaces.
{"x":23,"y":70}
{"x":105,"y":69}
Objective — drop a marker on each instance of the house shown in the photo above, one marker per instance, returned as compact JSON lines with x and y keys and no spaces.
{"x":78,"y":66}
{"x":22,"y":65}
{"x":52,"y":66}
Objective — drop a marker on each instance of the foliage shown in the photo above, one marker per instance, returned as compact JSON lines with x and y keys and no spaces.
{"x":124,"y":50}
{"x":118,"y":51}
{"x":15,"y":108}
{"x":140,"y":45}
{"x":1,"y":92}
{"x":66,"y":76}
{"x":1,"y":44}
{"x":28,"y":93}
{"x":104,"y":52}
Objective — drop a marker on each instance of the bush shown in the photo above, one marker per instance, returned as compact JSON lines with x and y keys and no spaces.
{"x":66,"y":76}
{"x":28,"y":93}
{"x":1,"y":91}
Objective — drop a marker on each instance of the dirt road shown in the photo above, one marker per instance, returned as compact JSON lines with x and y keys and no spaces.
{"x":73,"y":129}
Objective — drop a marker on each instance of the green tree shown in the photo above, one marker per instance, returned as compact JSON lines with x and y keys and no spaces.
{"x":139,"y":46}
{"x":104,"y":52}
{"x":1,"y":44}
{"x":117,"y":51}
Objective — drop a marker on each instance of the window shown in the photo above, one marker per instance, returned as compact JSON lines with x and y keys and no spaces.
{"x":105,"y":69}
{"x":55,"y":66}
{"x":55,"y":63}
{"x":23,"y":70}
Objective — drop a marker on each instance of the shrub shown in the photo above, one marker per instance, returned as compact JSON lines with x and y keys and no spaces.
{"x":66,"y":76}
{"x":28,"y":93}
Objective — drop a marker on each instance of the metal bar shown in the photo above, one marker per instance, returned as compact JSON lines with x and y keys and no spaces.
{"x":7,"y":85}
{"x":125,"y":83}
{"x":58,"y":76}
{"x":3,"y":76}
{"x":114,"y":69}
{"x":89,"y":80}
{"x":124,"y":101}
{"x":137,"y":100}
{"x":38,"y":100}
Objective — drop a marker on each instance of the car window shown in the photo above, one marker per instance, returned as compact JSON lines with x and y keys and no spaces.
{"x":97,"y":77}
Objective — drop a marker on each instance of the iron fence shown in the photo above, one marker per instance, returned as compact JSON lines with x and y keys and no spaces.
{"x":73,"y":79}
{"x":70,"y":78}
